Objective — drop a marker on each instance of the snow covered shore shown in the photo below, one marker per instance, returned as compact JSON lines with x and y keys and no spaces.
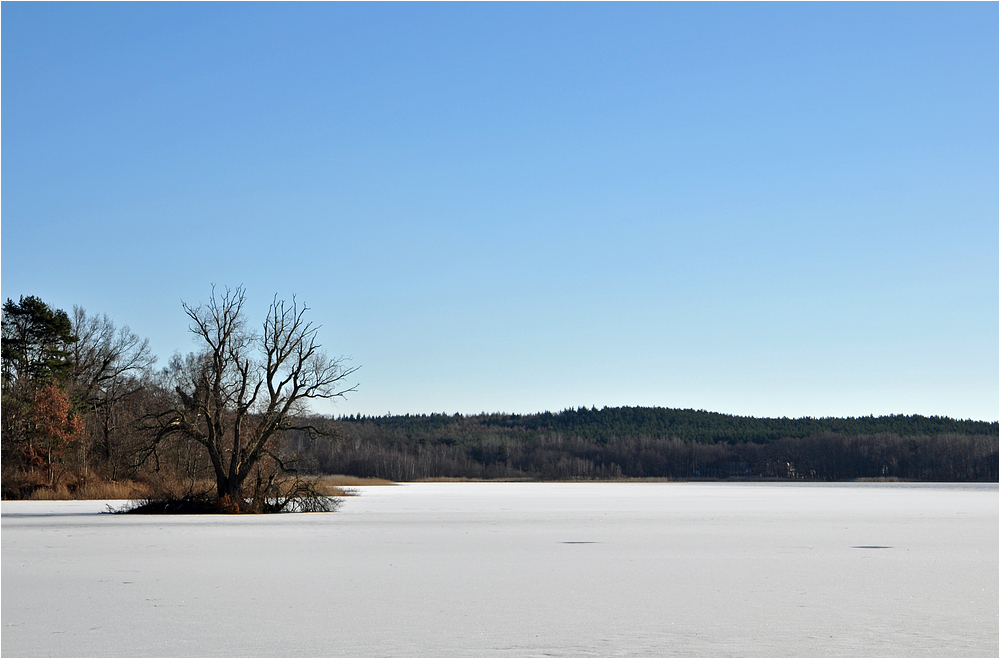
{"x":518,"y":569}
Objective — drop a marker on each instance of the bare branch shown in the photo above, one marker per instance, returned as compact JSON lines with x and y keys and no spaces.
{"x":245,"y":389}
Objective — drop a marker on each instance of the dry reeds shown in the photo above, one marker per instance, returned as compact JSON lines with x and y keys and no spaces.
{"x":879,"y":479}
{"x":169,"y":488}
{"x":126,"y":489}
{"x":340,"y":480}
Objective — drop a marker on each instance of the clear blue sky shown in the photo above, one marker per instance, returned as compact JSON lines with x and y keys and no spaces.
{"x":768,"y":210}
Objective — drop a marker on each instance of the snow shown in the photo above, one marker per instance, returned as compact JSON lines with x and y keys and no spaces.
{"x":518,"y":569}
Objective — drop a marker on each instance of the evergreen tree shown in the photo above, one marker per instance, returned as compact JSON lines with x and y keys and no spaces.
{"x":36,"y":343}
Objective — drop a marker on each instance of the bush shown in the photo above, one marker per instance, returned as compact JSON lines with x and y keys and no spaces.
{"x":298,"y":495}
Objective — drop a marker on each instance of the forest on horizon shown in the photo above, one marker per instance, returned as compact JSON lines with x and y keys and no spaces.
{"x":656,"y":442}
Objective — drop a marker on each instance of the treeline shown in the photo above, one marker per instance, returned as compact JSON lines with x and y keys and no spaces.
{"x":659,"y":443}
{"x":76,"y":391}
{"x":86,"y":413}
{"x":691,"y":425}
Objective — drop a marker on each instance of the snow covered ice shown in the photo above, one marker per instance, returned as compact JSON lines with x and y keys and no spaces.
{"x":518,"y":569}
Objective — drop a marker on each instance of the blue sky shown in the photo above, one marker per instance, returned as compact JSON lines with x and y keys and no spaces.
{"x":768,"y":210}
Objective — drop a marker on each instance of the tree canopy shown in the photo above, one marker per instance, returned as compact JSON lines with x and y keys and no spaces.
{"x":36,"y":342}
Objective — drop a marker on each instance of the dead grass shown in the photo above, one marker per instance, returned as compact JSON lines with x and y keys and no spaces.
{"x":335,"y":490}
{"x":449,"y":479}
{"x":339,"y":480}
{"x":463,"y":479}
{"x":879,"y":479}
{"x":94,"y":489}
{"x":126,"y":489}
{"x":331,"y":486}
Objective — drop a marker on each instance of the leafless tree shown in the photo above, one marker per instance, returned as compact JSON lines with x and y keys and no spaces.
{"x":237,"y":395}
{"x":110,"y":374}
{"x":104,"y":358}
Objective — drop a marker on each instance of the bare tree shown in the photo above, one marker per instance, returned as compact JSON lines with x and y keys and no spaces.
{"x":244,"y":389}
{"x":104,"y":357}
{"x":110,"y":374}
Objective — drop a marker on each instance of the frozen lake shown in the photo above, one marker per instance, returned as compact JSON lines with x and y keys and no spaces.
{"x":517,"y":569}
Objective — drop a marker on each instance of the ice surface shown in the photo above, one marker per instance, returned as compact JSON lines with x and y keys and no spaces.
{"x":501,"y":569}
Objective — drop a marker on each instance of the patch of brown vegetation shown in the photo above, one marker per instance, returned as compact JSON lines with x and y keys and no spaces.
{"x":340,"y":480}
{"x":463,"y":479}
{"x":880,"y":479}
{"x":70,"y":488}
{"x":162,"y":488}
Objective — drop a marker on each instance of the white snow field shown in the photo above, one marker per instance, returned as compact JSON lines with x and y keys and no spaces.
{"x":518,"y":569}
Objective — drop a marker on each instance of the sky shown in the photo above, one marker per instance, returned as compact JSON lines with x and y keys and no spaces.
{"x":756,"y":209}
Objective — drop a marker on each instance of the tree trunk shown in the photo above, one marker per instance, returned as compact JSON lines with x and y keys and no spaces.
{"x":230,"y":491}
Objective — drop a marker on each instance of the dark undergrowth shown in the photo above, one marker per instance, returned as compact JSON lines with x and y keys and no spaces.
{"x":187,"y":506}
{"x":224,"y":506}
{"x":297,"y":495}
